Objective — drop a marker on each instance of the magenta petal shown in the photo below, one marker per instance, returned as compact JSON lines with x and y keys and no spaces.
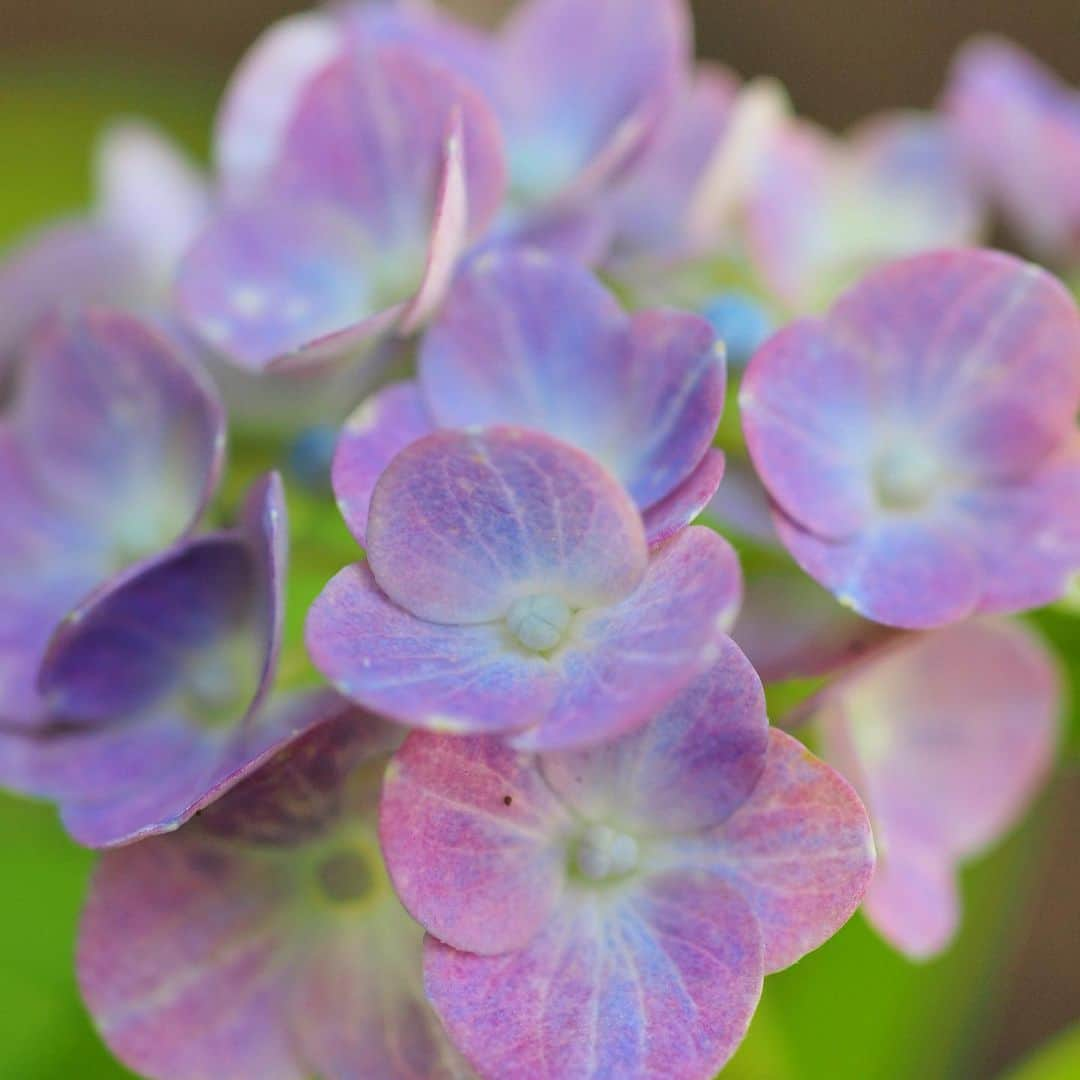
{"x":372,"y":437}
{"x":627,"y":662}
{"x":677,"y":510}
{"x":807,"y":406}
{"x":902,"y":573}
{"x":474,"y":841}
{"x":263,"y":93}
{"x":369,"y":134}
{"x":271,"y":281}
{"x":120,"y":428}
{"x":688,"y":768}
{"x":263,"y":939}
{"x":799,"y":849}
{"x":461,"y":525}
{"x":460,"y":679}
{"x":643,"y":394}
{"x":657,"y":982}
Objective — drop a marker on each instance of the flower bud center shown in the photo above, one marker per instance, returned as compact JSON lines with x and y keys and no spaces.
{"x":604,"y":853}
{"x":905,"y":478}
{"x":539,"y":622}
{"x":345,"y":877}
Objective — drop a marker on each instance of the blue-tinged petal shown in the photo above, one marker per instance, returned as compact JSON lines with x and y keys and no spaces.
{"x":658,"y":981}
{"x":675,"y":511}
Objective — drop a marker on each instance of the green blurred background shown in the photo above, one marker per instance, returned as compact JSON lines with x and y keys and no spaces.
{"x":1005,"y":995}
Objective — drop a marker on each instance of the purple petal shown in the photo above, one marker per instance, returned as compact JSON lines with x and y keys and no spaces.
{"x":152,"y":195}
{"x":742,"y":505}
{"x":463,"y":525}
{"x":372,"y":437}
{"x":807,"y":409}
{"x":581,"y":86}
{"x":474,"y":840}
{"x":120,"y":428}
{"x":902,"y":573}
{"x":264,"y":92}
{"x":679,"y":509}
{"x":687,"y":769}
{"x":642,"y":394}
{"x":61,"y":267}
{"x":369,"y":134}
{"x":626,"y":663}
{"x":799,"y":850}
{"x":1020,"y":128}
{"x":791,"y":628}
{"x":657,"y":981}
{"x":272,"y":281}
{"x":652,"y":206}
{"x":275,"y":951}
{"x":460,"y":679}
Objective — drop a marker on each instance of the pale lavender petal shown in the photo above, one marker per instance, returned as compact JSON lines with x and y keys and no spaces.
{"x":808,"y":410}
{"x":264,"y":92}
{"x":657,"y":981}
{"x":687,"y":769}
{"x":792,"y":628}
{"x":642,"y":394}
{"x":59,"y":268}
{"x":675,"y":511}
{"x":153,"y":196}
{"x":120,"y":428}
{"x":742,"y":505}
{"x":799,"y":850}
{"x":459,"y":679}
{"x":474,"y":840}
{"x":462,"y":525}
{"x":625,"y":663}
{"x":271,"y":281}
{"x":369,"y":134}
{"x":372,"y":437}
{"x":1020,"y":127}
{"x":903,"y":573}
{"x":581,"y":86}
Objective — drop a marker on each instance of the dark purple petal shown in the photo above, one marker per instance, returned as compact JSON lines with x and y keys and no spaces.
{"x":799,"y":850}
{"x":266,"y":951}
{"x":121,"y":429}
{"x":687,"y":769}
{"x":459,"y":679}
{"x":463,"y":525}
{"x":658,"y":981}
{"x":372,"y":437}
{"x":475,"y":841}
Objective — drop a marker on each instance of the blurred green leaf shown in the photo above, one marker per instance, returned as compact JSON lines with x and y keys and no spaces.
{"x":1059,"y":1059}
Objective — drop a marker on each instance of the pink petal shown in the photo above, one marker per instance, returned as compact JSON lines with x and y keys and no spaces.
{"x":682,"y":507}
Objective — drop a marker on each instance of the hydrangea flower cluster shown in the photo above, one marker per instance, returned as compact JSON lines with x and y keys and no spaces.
{"x":500,"y":796}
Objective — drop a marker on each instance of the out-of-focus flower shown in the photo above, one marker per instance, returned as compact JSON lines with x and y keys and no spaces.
{"x":919,"y":441}
{"x":612,"y":912}
{"x":741,"y":322}
{"x":821,"y":210}
{"x":109,"y":452}
{"x":362,"y":190}
{"x":1020,"y":127}
{"x":509,"y":589}
{"x":150,"y":203}
{"x":947,"y":737}
{"x":534,"y":341}
{"x":156,"y":687}
{"x":263,"y":939}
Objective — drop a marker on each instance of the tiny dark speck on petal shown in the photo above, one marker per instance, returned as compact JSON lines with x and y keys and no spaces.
{"x":508,"y":799}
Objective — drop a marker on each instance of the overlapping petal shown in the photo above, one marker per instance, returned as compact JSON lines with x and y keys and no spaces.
{"x":263,"y":938}
{"x":948,"y":737}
